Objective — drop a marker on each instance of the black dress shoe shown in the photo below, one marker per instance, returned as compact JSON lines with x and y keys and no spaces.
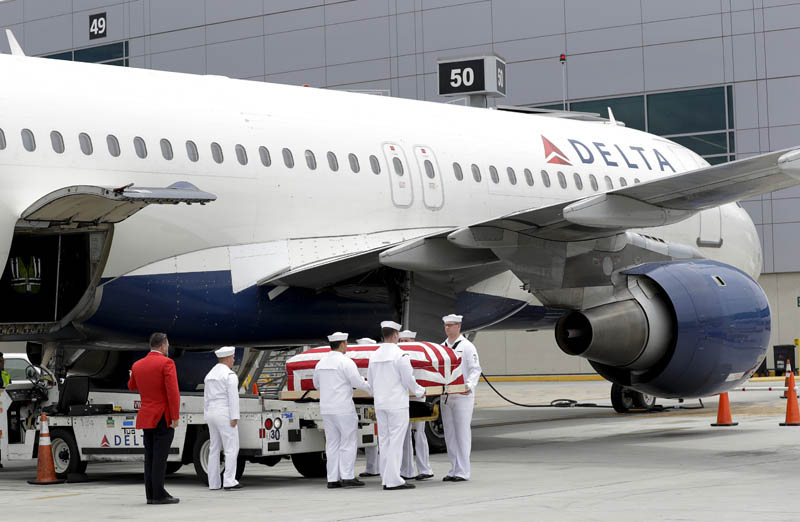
{"x":448,"y":478}
{"x":367,"y":474}
{"x":423,"y":476}
{"x":334,"y":485}
{"x":352,"y":483}
{"x":406,"y":478}
{"x":166,"y":500}
{"x":458,"y":479}
{"x":237,"y":486}
{"x":401,"y":486}
{"x":149,"y":500}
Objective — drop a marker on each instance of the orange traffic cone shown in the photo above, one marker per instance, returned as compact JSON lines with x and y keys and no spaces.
{"x":787,"y":372}
{"x":792,"y":411}
{"x":724,"y":412}
{"x":45,"y":471}
{"x":255,"y":387}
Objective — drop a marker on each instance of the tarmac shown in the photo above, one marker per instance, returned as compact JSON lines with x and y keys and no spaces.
{"x":546,"y":464}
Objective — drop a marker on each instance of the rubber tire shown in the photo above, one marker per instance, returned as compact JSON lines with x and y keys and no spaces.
{"x":622,"y":398}
{"x":434,"y":432}
{"x":173,"y":467}
{"x":62,"y":440}
{"x":203,"y":437}
{"x":643,"y":401}
{"x":310,"y":465}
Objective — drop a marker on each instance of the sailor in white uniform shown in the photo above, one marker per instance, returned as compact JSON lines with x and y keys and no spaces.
{"x":457,"y":408}
{"x":371,"y":452}
{"x":335,"y":376}
{"x":417,"y":430}
{"x":221,"y":412}
{"x":390,"y":377}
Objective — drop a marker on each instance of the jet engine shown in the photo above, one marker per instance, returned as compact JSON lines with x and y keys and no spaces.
{"x":687,"y":329}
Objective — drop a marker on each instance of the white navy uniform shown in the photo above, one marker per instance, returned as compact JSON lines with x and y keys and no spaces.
{"x":220,"y":407}
{"x":457,"y":409}
{"x":335,"y":376}
{"x":390,"y":377}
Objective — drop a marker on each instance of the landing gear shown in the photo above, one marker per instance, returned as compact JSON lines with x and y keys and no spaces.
{"x":625,"y":399}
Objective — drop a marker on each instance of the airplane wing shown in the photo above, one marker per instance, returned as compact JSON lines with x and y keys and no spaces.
{"x":655,"y":203}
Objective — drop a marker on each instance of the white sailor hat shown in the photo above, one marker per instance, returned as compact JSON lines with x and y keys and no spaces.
{"x":408,"y":334}
{"x":337,"y":336}
{"x":225,"y":351}
{"x":391,"y":324}
{"x":452,"y":318}
{"x":366,"y":340}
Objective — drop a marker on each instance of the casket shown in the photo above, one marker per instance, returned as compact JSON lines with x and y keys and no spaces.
{"x":435,"y":367}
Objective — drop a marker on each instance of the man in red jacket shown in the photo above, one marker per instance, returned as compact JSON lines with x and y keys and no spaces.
{"x":155,"y":378}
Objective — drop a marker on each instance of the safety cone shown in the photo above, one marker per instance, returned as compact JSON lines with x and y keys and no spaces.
{"x":45,"y":471}
{"x":792,"y":411}
{"x":724,"y":412}
{"x":786,"y":380}
{"x":255,"y":387}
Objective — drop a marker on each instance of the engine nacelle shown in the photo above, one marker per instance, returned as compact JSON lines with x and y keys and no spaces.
{"x":691,"y":329}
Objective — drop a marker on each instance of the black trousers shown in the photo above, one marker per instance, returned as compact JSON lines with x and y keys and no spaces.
{"x":156,"y":450}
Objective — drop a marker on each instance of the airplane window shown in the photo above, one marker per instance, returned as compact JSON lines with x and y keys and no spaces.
{"x":166,"y":149}
{"x":311,"y":160}
{"x":266,"y":159}
{"x":528,"y":177}
{"x":354,"y":166}
{"x":623,"y":182}
{"x":241,"y":154}
{"x":191,"y":151}
{"x":512,"y":176}
{"x":333,"y":163}
{"x":562,"y":180}
{"x":636,"y":180}
{"x":457,"y":171}
{"x":375,"y":164}
{"x":28,"y":140}
{"x":545,"y":178}
{"x":476,"y":173}
{"x":429,"y":169}
{"x":216,"y":152}
{"x":141,"y":148}
{"x":86,"y":143}
{"x":593,"y":182}
{"x":494,"y":175}
{"x":578,"y":181}
{"x":113,"y":145}
{"x":2,"y":140}
{"x":609,"y":183}
{"x":398,"y":166}
{"x":58,"y":141}
{"x":288,"y":159}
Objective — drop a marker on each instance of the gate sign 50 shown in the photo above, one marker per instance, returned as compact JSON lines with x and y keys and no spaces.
{"x":461,"y":77}
{"x":478,"y":75}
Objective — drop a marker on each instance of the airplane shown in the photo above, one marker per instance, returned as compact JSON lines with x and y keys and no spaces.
{"x":310,"y":210}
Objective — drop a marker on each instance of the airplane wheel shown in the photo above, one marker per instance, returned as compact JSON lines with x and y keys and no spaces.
{"x":622,"y":398}
{"x":644,"y":401}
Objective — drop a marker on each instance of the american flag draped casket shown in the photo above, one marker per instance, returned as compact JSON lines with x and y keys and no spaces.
{"x":432,"y":364}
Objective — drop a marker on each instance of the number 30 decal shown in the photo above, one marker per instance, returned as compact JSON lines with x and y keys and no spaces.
{"x":459,"y":77}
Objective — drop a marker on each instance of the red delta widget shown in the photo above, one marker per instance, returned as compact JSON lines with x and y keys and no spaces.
{"x":128,"y":439}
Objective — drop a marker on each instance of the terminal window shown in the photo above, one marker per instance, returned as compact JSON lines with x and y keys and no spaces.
{"x":109,"y":54}
{"x":698,"y":119}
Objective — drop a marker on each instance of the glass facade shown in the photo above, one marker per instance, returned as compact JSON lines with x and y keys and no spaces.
{"x":698,"y":119}
{"x":109,"y":54}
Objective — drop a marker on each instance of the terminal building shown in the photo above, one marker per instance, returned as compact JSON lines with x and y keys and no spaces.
{"x":718,"y":76}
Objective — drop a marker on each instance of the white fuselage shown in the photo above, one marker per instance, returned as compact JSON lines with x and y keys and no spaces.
{"x":260,"y":204}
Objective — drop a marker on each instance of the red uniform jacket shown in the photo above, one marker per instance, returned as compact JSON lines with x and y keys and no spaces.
{"x":155,"y":378}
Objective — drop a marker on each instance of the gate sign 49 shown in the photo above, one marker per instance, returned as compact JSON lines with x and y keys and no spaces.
{"x":480,"y":75}
{"x":98,"y":25}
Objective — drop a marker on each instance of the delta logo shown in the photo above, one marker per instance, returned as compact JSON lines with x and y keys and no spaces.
{"x":634,"y":157}
{"x":105,"y":443}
